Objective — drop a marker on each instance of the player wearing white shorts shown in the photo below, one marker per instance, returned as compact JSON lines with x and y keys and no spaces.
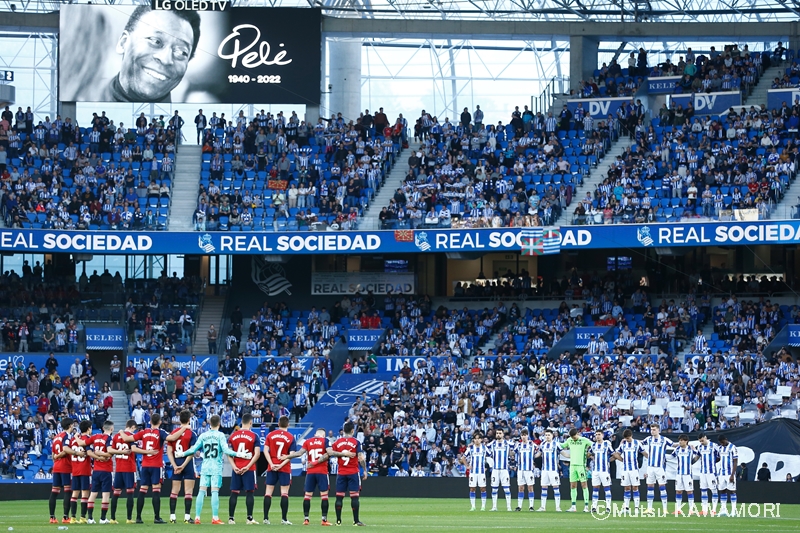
{"x":656,"y":447}
{"x":601,"y":472}
{"x":628,"y":452}
{"x":526,"y":451}
{"x":685,"y":455}
{"x":708,"y":473}
{"x":549,"y":452}
{"x":726,"y":476}
{"x":500,"y":449}
{"x":475,"y":460}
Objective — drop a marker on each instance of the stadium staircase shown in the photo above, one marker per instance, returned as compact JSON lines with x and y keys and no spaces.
{"x":759,"y":94}
{"x":185,"y":187}
{"x":595,"y":178}
{"x":120,"y":413}
{"x":213,"y":309}
{"x":394,"y":180}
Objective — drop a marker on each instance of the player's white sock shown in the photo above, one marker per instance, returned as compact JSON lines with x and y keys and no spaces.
{"x":472,"y":498}
{"x":544,"y":497}
{"x":507,"y":490}
{"x":627,"y":499}
{"x":531,"y":499}
{"x":595,"y":495}
{"x":494,"y":498}
{"x":557,"y":496}
{"x":636,"y":497}
{"x":520,"y":498}
{"x":664,"y":498}
{"x":650,"y":497}
{"x":723,"y":499}
{"x":704,"y":499}
{"x":733,"y":504}
{"x":483,"y":500}
{"x":714,"y":498}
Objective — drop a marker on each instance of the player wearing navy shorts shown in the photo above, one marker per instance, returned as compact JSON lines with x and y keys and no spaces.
{"x":278,"y":444}
{"x":81,"y":473}
{"x":317,"y":458}
{"x":243,"y":477}
{"x":151,"y":439}
{"x":103,"y":467}
{"x":179,"y":440}
{"x":347,"y":479}
{"x":62,"y":470}
{"x":124,"y":453}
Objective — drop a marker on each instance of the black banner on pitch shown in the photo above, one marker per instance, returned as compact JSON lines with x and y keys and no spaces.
{"x":240,"y":55}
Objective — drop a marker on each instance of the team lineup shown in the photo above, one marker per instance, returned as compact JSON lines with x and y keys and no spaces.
{"x":86,"y":466}
{"x":718,"y":463}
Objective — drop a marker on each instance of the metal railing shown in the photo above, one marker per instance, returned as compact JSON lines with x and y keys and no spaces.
{"x":543,"y":102}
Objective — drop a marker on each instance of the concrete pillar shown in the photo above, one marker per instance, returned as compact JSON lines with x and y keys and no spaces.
{"x":345,"y":78}
{"x":582,"y":59}
{"x":312,"y":114}
{"x":68,"y":110}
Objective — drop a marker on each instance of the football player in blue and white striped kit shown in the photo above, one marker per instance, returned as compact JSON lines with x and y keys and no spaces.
{"x":601,"y":452}
{"x":500,"y":449}
{"x":475,"y":460}
{"x":708,"y":472}
{"x":656,"y":447}
{"x":549,"y":451}
{"x":686,"y":455}
{"x":525,"y":453}
{"x":726,"y":476}
{"x":628,"y":453}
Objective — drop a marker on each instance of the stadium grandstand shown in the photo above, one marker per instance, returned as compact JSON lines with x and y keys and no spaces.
{"x":490,"y":245}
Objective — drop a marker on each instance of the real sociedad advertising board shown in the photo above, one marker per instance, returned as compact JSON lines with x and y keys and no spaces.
{"x":402,"y":241}
{"x":663,"y":85}
{"x":709,"y":103}
{"x":776,"y":97}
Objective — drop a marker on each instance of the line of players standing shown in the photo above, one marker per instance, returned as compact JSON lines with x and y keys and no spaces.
{"x":718,"y":463}
{"x":86,"y":465}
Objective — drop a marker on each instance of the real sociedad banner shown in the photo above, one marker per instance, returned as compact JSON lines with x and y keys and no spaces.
{"x":776,"y":97}
{"x":25,"y":359}
{"x":363,"y":339}
{"x":662,"y":85}
{"x":628,"y":358}
{"x":599,"y":108}
{"x":105,"y":338}
{"x":208,"y":363}
{"x":584,"y":334}
{"x":709,"y":103}
{"x":379,"y":283}
{"x":794,"y":334}
{"x":401,"y":241}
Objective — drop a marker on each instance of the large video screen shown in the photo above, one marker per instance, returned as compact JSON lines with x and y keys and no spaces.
{"x":110,"y":53}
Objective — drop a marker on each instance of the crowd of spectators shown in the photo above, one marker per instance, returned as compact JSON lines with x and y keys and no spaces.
{"x":33,"y":400}
{"x":271,"y":172}
{"x":425,"y":416}
{"x":55,"y":174}
{"x":686,"y":166}
{"x":523,"y":173}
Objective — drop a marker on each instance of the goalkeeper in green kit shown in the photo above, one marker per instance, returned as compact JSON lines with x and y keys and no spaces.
{"x":578,"y":452}
{"x":213,"y":445}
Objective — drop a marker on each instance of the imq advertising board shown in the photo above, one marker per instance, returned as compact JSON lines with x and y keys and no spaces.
{"x":177,"y":54}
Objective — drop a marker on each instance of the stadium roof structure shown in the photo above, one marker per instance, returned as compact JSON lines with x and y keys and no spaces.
{"x":676,"y":11}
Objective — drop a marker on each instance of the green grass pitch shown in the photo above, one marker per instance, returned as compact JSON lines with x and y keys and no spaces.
{"x":405,"y":514}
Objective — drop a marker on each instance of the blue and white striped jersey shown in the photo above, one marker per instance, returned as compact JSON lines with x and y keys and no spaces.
{"x":708,"y":458}
{"x":684,"y":457}
{"x":602,"y":455}
{"x":656,"y":448}
{"x":476,"y":457}
{"x":500,"y":451}
{"x":727,"y":454}
{"x":525,"y":452}
{"x":550,"y":453}
{"x":630,"y":455}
